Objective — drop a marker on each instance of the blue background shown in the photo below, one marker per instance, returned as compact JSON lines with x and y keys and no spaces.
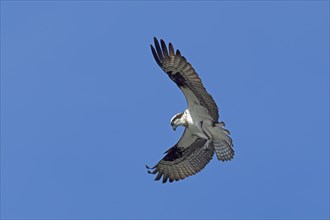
{"x":84,"y":107}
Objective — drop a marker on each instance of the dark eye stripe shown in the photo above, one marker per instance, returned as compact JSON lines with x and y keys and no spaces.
{"x":178,"y":116}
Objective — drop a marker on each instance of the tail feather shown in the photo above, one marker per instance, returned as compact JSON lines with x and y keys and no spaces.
{"x":223,"y":144}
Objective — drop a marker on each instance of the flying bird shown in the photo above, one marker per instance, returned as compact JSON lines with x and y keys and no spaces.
{"x":203,"y":134}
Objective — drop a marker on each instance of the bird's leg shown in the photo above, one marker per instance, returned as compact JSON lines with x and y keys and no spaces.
{"x":208,"y":135}
{"x":207,"y":144}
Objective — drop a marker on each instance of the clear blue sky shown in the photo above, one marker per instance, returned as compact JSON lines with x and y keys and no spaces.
{"x":84,"y":107}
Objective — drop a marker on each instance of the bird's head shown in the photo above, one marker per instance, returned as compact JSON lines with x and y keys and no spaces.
{"x":178,"y":120}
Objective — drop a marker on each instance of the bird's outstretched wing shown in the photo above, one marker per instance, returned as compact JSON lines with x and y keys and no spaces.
{"x":184,"y":75}
{"x":184,"y":159}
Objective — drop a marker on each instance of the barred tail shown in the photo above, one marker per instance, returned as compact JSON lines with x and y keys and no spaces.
{"x":223,"y":144}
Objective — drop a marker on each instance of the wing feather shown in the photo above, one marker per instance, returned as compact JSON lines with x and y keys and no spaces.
{"x":159,"y":51}
{"x":184,"y":75}
{"x":164,"y":48}
{"x":184,"y":159}
{"x":154,"y":53}
{"x":172,"y":54}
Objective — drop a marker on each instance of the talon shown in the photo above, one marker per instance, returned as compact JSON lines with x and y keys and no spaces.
{"x":207,"y":144}
{"x":221,"y":124}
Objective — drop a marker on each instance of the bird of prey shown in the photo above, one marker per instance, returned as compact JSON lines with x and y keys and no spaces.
{"x":203,"y":134}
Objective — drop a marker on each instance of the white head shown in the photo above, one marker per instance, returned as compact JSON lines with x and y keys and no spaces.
{"x":179,"y":119}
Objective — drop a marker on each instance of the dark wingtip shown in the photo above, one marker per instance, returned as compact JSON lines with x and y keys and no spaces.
{"x":153,"y":172}
{"x":171,"y":48}
{"x":159,"y":175}
{"x":158,"y":51}
{"x":165,"y":178}
{"x":162,"y":41}
{"x":155,"y":40}
{"x":150,"y":168}
{"x":154,"y":53}
{"x":164,"y":48}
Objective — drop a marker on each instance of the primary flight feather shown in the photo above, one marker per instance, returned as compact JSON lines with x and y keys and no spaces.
{"x":203,"y":134}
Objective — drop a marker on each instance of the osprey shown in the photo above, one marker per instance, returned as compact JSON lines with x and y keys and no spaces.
{"x":203,"y":134}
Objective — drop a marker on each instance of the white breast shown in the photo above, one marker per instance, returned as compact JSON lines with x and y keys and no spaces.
{"x":194,"y":116}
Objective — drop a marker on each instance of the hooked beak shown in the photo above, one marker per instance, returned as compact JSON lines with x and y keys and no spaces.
{"x":173,"y":126}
